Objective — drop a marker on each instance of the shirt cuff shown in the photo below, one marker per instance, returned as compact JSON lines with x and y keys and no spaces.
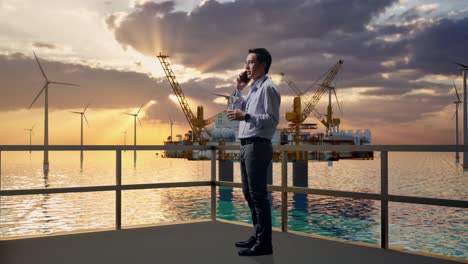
{"x":253,"y":119}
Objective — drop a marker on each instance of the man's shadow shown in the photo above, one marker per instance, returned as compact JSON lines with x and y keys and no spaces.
{"x":263,"y":259}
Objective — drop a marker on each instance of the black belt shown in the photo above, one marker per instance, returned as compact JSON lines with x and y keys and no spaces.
{"x":245,"y":141}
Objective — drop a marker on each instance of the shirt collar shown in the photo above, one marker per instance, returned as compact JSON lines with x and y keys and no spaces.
{"x":259,"y":82}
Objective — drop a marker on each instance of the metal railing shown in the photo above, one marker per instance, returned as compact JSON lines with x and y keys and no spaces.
{"x":384,"y":197}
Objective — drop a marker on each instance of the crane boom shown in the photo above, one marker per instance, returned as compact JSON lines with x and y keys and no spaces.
{"x":326,"y":84}
{"x":291,"y":84}
{"x":298,"y":92}
{"x":163,"y":59}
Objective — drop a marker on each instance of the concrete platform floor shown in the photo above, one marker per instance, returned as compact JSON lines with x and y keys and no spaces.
{"x":201,"y":242}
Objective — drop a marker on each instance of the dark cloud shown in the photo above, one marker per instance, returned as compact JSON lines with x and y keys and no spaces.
{"x":216,"y":36}
{"x":435,"y":49}
{"x":45,"y":45}
{"x":304,"y":37}
{"x":396,"y":109}
{"x":22,"y":80}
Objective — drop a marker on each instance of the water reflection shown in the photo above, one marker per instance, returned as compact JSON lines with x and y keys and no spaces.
{"x":225,"y":194}
{"x":345,"y":207}
{"x":300,"y":202}
{"x":45,"y":206}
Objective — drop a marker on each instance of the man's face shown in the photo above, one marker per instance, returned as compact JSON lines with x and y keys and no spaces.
{"x":253,"y":68}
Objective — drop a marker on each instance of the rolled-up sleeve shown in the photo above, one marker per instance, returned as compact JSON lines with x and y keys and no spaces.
{"x":238,"y":101}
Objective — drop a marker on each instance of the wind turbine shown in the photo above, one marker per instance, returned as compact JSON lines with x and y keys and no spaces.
{"x":227,"y":97}
{"x":457,"y":104}
{"x":463,"y":68}
{"x":172,"y":124}
{"x":30,"y":138}
{"x":45,"y":89}
{"x":135,"y":117}
{"x":125,"y":138}
{"x":82,"y":114}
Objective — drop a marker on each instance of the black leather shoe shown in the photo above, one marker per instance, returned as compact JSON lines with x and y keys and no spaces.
{"x":247,"y":243}
{"x":256,"y":250}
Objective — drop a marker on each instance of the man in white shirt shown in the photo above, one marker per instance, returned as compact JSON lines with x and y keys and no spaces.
{"x":258,"y":113}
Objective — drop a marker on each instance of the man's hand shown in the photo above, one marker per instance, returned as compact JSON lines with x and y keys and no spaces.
{"x":235,"y":115}
{"x":240,"y":84}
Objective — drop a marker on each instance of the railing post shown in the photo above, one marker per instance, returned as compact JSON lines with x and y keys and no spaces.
{"x":118,"y":191}
{"x":213,"y":186}
{"x":284,"y":193}
{"x":384,"y":200}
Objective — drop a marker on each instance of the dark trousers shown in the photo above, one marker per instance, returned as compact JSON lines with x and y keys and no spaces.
{"x":255,"y":159}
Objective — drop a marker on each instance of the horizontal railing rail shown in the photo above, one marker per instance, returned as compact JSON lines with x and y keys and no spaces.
{"x":103,"y":188}
{"x":358,"y":195}
{"x":101,"y":147}
{"x":377,"y":148}
{"x":384,"y":197}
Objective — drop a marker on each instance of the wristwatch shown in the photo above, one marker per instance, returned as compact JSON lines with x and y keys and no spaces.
{"x":246,"y":117}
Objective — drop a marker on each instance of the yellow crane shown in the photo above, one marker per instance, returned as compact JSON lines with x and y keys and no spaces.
{"x":197,"y":123}
{"x":297,"y":116}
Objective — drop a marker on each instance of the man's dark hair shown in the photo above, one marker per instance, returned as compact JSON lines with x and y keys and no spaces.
{"x":263,"y":56}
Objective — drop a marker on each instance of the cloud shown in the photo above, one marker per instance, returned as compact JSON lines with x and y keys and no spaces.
{"x":201,"y":39}
{"x":304,"y":39}
{"x":45,"y":45}
{"x":108,"y":89}
{"x":434,"y":50}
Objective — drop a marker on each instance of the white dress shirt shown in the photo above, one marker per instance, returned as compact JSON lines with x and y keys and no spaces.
{"x":262,"y":103}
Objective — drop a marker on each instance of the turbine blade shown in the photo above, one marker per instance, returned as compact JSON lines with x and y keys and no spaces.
{"x":140,"y":109}
{"x":336,"y":97}
{"x":62,"y":83}
{"x":37,"y":96}
{"x":33,"y":126}
{"x":86,"y":107}
{"x":222,"y":95}
{"x":456,"y":91}
{"x":453,"y":114}
{"x":40,"y":67}
{"x":139,"y":121}
{"x":459,"y":64}
{"x":86,"y":119}
{"x":75,"y":112}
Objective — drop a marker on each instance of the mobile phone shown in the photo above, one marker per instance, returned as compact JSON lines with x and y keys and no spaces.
{"x":244,"y":78}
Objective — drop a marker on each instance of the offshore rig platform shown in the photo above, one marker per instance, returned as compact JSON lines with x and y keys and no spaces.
{"x":224,"y":131}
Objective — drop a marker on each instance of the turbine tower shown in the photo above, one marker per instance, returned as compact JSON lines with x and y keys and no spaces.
{"x":82,"y":114}
{"x":172,"y":123}
{"x":457,"y":104}
{"x":45,"y":89}
{"x":463,"y":68}
{"x":135,"y":117}
{"x":30,"y":138}
{"x":125,"y":138}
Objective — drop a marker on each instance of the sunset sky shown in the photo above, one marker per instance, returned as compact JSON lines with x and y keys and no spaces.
{"x":396,"y":81}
